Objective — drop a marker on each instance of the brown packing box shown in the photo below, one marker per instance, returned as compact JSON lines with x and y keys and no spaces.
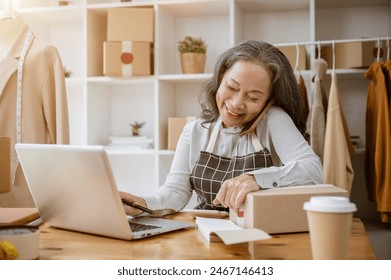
{"x":127,"y":59}
{"x":5,"y":164}
{"x":350,"y":55}
{"x":280,"y":210}
{"x":291,"y":53}
{"x":175,"y":127}
{"x":130,"y":24}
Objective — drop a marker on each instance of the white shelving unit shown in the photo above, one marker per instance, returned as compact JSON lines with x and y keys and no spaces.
{"x":101,"y":106}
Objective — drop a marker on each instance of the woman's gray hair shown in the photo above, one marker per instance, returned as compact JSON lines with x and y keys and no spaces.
{"x":284,"y":87}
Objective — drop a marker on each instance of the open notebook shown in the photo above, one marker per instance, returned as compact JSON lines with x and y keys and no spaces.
{"x":73,"y":188}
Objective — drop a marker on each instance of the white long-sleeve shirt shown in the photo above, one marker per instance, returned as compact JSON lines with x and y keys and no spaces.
{"x":294,"y":161}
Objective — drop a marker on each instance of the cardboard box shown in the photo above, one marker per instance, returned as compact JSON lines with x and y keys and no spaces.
{"x":291,"y":53}
{"x":127,"y":59}
{"x":5,"y":164}
{"x":350,"y":55}
{"x":130,"y":24}
{"x":175,"y":127}
{"x":280,"y":210}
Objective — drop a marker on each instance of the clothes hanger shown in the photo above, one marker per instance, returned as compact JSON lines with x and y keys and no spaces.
{"x":378,"y":49}
{"x":333,"y":55}
{"x":319,"y":50}
{"x":296,"y":69}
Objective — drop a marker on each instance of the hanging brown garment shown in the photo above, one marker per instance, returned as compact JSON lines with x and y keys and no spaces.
{"x":338,"y":149}
{"x":378,"y":141}
{"x":303,"y":93}
{"x":316,"y":121}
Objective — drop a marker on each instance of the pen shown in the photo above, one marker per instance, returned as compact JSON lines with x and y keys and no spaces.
{"x":124,"y":201}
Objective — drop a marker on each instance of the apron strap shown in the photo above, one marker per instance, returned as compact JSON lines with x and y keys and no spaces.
{"x":213,"y":137}
{"x":256,"y":143}
{"x":215,"y":132}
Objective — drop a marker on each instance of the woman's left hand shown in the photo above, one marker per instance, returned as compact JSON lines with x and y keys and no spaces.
{"x":233,"y":191}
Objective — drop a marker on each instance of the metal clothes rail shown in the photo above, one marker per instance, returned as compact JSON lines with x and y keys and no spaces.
{"x":330,"y":42}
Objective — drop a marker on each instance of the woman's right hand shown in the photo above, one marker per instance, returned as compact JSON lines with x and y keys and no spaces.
{"x":135,"y":199}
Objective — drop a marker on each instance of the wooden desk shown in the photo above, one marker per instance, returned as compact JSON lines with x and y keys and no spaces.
{"x":187,"y":244}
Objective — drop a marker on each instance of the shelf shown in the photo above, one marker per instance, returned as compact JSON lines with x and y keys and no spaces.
{"x":192,"y":8}
{"x":250,"y":6}
{"x":185,"y":78}
{"x":118,"y":2}
{"x":67,"y":14}
{"x":121,"y":81}
{"x":74,"y":81}
{"x":102,"y":8}
{"x":349,"y":3}
{"x":130,"y":152}
{"x":166,"y":152}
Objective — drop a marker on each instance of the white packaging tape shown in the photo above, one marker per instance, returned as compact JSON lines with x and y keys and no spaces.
{"x":25,"y":240}
{"x":127,"y":67}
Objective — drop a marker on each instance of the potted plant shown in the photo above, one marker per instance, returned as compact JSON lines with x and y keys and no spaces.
{"x":136,"y":128}
{"x":192,"y":54}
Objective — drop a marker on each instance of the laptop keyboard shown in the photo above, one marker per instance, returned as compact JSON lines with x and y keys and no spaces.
{"x":140,"y":227}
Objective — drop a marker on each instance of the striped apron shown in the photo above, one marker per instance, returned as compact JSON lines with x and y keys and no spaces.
{"x":210,"y":170}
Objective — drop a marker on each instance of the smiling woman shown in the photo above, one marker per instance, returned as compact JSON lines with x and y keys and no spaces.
{"x":249,"y":137}
{"x":243,"y":93}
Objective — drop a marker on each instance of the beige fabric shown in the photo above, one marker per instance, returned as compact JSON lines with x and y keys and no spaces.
{"x":316,"y":122}
{"x":303,"y":93}
{"x":338,"y":149}
{"x":44,"y":105}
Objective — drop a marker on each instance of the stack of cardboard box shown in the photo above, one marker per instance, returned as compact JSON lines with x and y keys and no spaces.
{"x":128,"y":50}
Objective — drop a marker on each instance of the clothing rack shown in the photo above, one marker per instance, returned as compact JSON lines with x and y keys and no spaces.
{"x":319,"y":43}
{"x":330,"y":42}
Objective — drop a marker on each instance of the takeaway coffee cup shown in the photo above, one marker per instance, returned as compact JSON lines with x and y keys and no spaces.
{"x":329,"y":221}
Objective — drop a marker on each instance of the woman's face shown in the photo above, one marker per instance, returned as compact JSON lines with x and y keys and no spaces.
{"x":242,"y":94}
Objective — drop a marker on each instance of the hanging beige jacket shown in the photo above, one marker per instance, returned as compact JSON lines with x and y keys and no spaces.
{"x":338,"y":149}
{"x":316,"y":121}
{"x":378,"y":141}
{"x":44,"y":115}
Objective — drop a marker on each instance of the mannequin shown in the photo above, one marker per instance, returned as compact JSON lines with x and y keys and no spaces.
{"x":40,"y":87}
{"x":11,"y":25}
{"x":10,"y":28}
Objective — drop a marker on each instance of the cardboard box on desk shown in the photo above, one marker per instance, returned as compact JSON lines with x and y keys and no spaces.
{"x":5,"y":164}
{"x":126,"y":59}
{"x":280,"y":210}
{"x":130,"y":24}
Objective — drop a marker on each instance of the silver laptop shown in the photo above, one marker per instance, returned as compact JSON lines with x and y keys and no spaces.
{"x":74,"y":188}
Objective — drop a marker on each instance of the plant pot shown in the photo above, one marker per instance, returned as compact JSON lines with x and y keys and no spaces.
{"x":135,"y":131}
{"x":193,"y":63}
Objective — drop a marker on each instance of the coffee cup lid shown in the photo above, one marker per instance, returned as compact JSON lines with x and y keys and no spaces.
{"x":330,"y":204}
